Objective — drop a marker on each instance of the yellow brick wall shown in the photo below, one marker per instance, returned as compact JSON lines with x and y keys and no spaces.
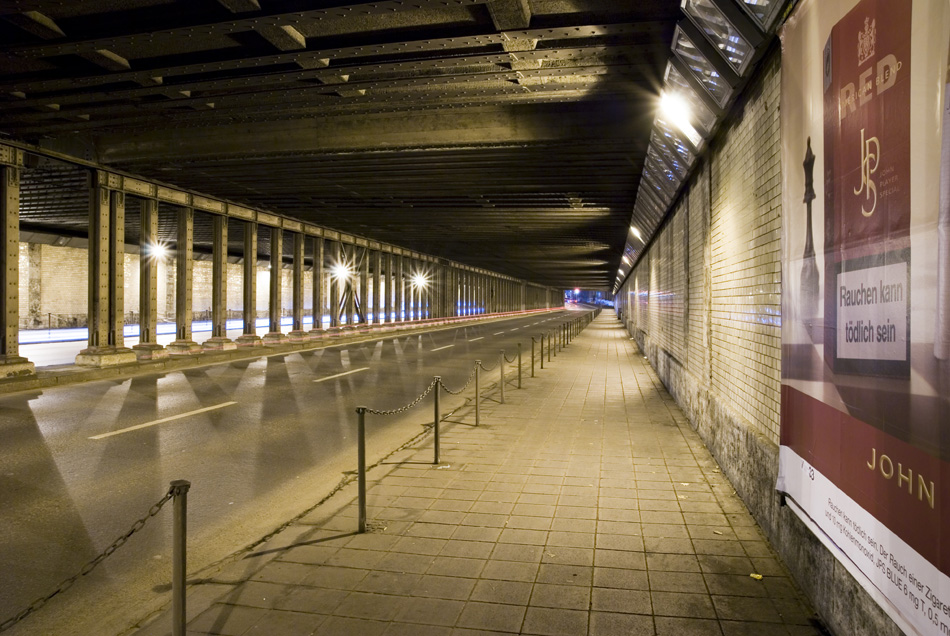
{"x":714,"y":303}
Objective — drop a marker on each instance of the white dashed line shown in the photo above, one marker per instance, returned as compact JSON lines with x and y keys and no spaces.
{"x":163,"y":420}
{"x":340,"y":375}
{"x":441,"y":348}
{"x":478,"y":338}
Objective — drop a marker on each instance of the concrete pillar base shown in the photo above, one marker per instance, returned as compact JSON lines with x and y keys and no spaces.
{"x":105,"y":357}
{"x":274,"y":338}
{"x":15,"y":366}
{"x":299,"y":336}
{"x":218,"y":344}
{"x":149,"y":351}
{"x":248,"y":340}
{"x":183,"y":347}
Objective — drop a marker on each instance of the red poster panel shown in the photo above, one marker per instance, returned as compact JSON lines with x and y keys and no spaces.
{"x":866,"y":80}
{"x":865,"y":434}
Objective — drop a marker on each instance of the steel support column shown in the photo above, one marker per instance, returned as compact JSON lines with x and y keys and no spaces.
{"x":219,"y":287}
{"x":336,"y":283}
{"x":364,"y":285}
{"x":413,"y":292}
{"x":401,"y":313}
{"x":351,"y":286}
{"x":389,"y":278}
{"x":12,"y":364}
{"x":149,"y":255}
{"x":469,"y":293}
{"x":319,"y":287}
{"x":297,"y":333}
{"x":377,"y":289}
{"x":274,"y":335}
{"x":250,"y":338}
{"x":184,"y":280}
{"x":106,"y":307}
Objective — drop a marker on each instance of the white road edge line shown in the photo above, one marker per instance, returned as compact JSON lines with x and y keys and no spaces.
{"x":163,"y":420}
{"x":478,"y":338}
{"x":340,"y":375}
{"x":498,"y":334}
{"x":441,"y":348}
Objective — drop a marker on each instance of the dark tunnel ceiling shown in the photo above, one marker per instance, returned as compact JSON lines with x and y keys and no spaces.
{"x":505,"y":134}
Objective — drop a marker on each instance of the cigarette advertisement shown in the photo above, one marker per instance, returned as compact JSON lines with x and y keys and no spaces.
{"x":865,"y":429}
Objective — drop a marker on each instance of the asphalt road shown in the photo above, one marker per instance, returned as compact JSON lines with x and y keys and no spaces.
{"x":260,"y":439}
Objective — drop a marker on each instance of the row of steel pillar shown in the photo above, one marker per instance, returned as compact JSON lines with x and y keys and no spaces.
{"x":404,"y":288}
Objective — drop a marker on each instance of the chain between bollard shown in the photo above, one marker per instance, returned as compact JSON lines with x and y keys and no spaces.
{"x":405,"y":408}
{"x":487,"y":369}
{"x":90,"y":566}
{"x":471,"y":377}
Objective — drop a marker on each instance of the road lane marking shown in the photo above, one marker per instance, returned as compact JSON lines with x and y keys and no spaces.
{"x":498,"y":334}
{"x":441,"y":348}
{"x":515,"y":329}
{"x":478,"y":338}
{"x":340,"y":375}
{"x":163,"y":420}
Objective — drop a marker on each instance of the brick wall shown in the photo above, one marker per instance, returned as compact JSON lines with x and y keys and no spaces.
{"x":711,"y":296}
{"x":59,"y":278}
{"x":54,"y":280}
{"x":745,"y":234}
{"x":726,"y":376}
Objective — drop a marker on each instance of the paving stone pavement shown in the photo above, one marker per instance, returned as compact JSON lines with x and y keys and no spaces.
{"x":583,"y":505}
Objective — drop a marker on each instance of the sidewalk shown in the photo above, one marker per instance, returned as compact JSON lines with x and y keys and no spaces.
{"x":584,"y":505}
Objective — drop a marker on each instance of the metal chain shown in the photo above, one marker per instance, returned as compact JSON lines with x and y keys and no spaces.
{"x":486,"y":369}
{"x":512,"y":361}
{"x":467,"y":382}
{"x":408,"y":406}
{"x":89,"y":567}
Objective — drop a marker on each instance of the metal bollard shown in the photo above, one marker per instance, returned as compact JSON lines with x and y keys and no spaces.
{"x":361,"y":467}
{"x":542,"y":350}
{"x":179,"y":489}
{"x":532,"y":356}
{"x":478,"y":365}
{"x":501,"y":378}
{"x":549,"y":346}
{"x":519,"y":365}
{"x":554,"y":344}
{"x":437,"y":418}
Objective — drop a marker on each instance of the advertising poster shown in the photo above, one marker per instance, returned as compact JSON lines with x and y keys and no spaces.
{"x":865,"y":430}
